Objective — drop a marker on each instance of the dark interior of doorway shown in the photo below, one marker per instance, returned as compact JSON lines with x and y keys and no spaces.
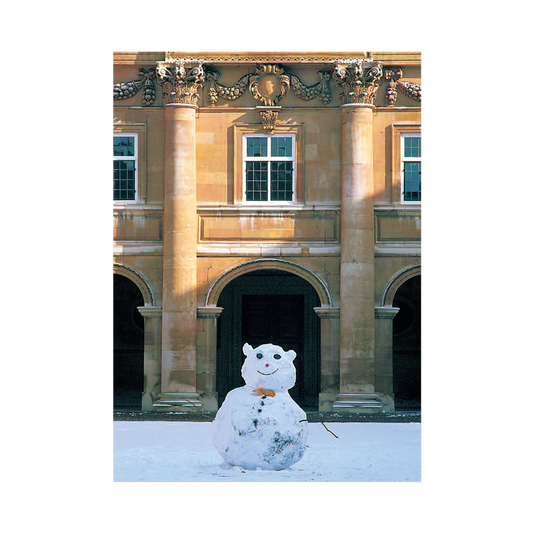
{"x":270,"y":306}
{"x":128,"y":344}
{"x":276,"y":319}
{"x":407,"y":375}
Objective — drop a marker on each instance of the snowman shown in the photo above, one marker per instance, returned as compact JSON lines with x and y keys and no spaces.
{"x":260,"y":425}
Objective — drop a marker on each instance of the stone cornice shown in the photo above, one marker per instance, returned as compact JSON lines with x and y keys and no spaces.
{"x":243,"y":58}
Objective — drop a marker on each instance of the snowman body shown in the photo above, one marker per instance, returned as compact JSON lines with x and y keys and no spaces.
{"x":260,"y":425}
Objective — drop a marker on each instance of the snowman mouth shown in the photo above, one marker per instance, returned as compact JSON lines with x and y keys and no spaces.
{"x":262,"y":373}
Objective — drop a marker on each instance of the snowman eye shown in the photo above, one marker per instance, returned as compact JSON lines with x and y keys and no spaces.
{"x":277,"y":356}
{"x":259,"y":355}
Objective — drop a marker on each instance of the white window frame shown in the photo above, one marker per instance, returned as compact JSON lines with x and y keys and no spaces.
{"x":404,"y":160}
{"x":135,"y":158}
{"x":269,"y":159}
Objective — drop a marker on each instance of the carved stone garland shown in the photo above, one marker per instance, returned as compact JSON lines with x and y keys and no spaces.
{"x":128,"y":89}
{"x":181,"y":81}
{"x":318,"y":89}
{"x":217,"y":90}
{"x":394,"y":77}
{"x":412,"y":90}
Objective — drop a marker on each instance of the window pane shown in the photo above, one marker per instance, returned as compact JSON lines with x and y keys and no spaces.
{"x":124,"y":180}
{"x":123,"y":146}
{"x":407,"y":146}
{"x":256,"y":147}
{"x":412,"y":147}
{"x":281,"y":176}
{"x":256,"y":181}
{"x":412,"y":181}
{"x":416,"y":149}
{"x":281,"y":147}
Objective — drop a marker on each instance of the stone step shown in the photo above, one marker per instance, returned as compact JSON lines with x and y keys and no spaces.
{"x":178,"y":402}
{"x":358,"y":403}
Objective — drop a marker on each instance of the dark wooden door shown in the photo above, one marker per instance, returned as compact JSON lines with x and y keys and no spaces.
{"x":277,"y":319}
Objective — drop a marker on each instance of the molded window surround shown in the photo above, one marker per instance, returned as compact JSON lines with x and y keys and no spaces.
{"x":400,"y":132}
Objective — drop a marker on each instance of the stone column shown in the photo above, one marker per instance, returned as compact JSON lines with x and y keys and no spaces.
{"x":357,"y":257}
{"x":356,"y":391}
{"x":178,"y":364}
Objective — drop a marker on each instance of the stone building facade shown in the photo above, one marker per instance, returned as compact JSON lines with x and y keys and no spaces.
{"x":267,"y":197}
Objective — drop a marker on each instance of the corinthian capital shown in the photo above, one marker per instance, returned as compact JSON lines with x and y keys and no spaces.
{"x":181,"y":81}
{"x":358,"y":80}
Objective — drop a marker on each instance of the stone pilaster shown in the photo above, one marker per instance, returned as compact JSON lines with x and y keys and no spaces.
{"x":329,"y":356}
{"x":206,"y":356}
{"x":152,"y":355}
{"x":383,"y":379}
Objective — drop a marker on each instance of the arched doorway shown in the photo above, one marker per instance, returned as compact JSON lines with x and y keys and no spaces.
{"x":269,"y":306}
{"x":407,"y":345}
{"x":128,"y":344}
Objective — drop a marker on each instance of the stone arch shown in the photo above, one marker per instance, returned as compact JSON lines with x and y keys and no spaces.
{"x":396,"y":281}
{"x":276,"y":264}
{"x":139,"y":279}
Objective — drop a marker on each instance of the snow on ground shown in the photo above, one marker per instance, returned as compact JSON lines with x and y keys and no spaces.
{"x":183,"y":451}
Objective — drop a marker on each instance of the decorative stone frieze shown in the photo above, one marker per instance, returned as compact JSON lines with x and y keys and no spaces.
{"x":321,"y":88}
{"x":181,"y":81}
{"x":358,"y":80}
{"x":269,"y":85}
{"x":410,"y":89}
{"x":216,"y":90}
{"x":128,"y":89}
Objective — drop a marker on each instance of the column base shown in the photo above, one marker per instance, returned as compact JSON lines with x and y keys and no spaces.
{"x":209,"y":402}
{"x":363,"y":403}
{"x":180,"y":402}
{"x":326,"y":401}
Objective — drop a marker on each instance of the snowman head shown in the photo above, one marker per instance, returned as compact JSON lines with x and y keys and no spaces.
{"x":269,"y":367}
